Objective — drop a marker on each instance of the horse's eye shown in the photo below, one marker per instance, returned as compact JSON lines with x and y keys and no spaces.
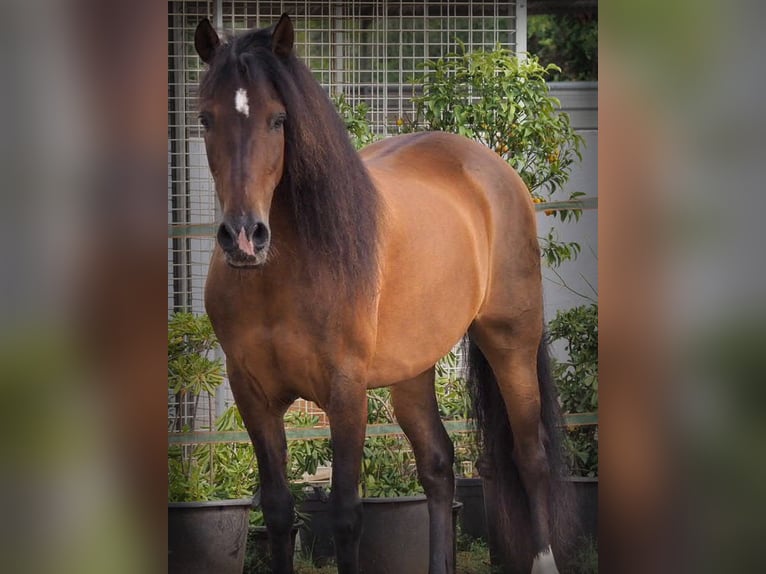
{"x":204,"y":121}
{"x":278,"y":121}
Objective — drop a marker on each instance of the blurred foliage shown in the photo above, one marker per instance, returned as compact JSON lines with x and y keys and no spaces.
{"x":577,"y":381}
{"x":577,"y":378}
{"x":581,"y":446}
{"x":453,"y":399}
{"x":569,"y":40}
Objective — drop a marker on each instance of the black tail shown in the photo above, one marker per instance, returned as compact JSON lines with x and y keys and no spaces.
{"x":508,"y":514}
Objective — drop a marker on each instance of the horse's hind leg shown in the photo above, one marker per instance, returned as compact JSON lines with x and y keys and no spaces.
{"x":511,"y":347}
{"x":417,"y":412}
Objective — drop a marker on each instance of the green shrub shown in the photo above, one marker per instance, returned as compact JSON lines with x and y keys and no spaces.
{"x":577,"y":381}
{"x":305,"y":456}
{"x":213,"y":471}
{"x":388,"y":463}
{"x":205,"y":471}
{"x":355,"y":118}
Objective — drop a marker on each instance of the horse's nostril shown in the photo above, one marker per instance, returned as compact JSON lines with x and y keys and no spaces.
{"x":260,"y":235}
{"x":226,"y":237}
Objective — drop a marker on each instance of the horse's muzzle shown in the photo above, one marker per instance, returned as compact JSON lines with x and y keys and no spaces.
{"x":245,"y":241}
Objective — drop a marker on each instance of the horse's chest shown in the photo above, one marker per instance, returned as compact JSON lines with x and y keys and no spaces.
{"x":280,"y":352}
{"x":290,"y":341}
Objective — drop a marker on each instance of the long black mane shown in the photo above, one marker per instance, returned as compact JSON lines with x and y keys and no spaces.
{"x":333,"y":200}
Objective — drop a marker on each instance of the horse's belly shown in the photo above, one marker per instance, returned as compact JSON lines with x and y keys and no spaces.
{"x":420,"y":324}
{"x":435,"y":261}
{"x":405,"y":357}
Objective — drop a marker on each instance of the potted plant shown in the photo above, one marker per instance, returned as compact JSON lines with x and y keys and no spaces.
{"x":209,"y":485}
{"x":577,"y":383}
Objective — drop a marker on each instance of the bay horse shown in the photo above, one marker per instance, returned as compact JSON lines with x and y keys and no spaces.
{"x":336,"y":272}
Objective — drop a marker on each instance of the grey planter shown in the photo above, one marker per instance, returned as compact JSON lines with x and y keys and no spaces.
{"x":473,"y":519}
{"x":395,"y":537}
{"x":205,"y":537}
{"x":586,"y":498}
{"x":316,"y":530}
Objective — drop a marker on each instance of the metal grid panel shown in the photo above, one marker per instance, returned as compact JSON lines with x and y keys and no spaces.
{"x":367,"y":51}
{"x":191,"y":197}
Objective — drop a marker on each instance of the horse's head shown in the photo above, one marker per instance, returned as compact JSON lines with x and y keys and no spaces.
{"x":243,"y":118}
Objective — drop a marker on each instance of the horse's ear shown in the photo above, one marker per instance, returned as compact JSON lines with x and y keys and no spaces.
{"x":282,"y":37}
{"x":206,"y":40}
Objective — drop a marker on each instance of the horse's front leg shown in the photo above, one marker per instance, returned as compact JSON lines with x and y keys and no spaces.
{"x":267,"y":431}
{"x":347,"y":411}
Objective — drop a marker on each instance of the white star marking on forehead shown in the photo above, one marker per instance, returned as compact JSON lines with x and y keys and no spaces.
{"x":240,"y":102}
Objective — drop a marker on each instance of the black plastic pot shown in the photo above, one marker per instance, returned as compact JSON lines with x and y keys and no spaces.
{"x":586,"y":499}
{"x":473,"y":520}
{"x":316,"y":530}
{"x":395,"y":537}
{"x":205,"y":537}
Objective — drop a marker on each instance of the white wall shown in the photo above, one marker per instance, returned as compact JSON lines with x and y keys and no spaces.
{"x":580,"y":100}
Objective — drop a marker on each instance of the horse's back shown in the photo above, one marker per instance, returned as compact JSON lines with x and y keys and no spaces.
{"x":457,"y":165}
{"x":456,"y":220}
